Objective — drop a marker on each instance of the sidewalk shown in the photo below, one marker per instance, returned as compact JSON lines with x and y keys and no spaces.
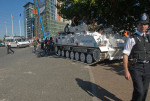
{"x":110,"y":82}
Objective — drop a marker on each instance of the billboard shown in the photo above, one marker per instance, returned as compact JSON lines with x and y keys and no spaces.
{"x":41,"y":6}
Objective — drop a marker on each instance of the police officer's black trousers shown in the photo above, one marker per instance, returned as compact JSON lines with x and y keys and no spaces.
{"x":140,"y":73}
{"x":9,"y":48}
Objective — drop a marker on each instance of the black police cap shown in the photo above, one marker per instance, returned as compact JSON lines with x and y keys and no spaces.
{"x":144,"y":19}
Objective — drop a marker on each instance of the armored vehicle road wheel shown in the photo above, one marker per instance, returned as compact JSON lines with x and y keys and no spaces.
{"x":77,"y":56}
{"x":72,"y":55}
{"x":67,"y":54}
{"x":59,"y":52}
{"x":82,"y":57}
{"x":63,"y":53}
{"x":89,"y":59}
{"x":96,"y":55}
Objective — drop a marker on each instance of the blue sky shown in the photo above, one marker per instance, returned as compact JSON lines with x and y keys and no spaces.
{"x":14,"y":7}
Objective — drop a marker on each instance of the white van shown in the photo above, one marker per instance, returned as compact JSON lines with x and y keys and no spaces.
{"x":16,"y":42}
{"x":11,"y":41}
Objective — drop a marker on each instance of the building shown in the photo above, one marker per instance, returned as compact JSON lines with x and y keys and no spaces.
{"x":28,"y":20}
{"x":52,"y":22}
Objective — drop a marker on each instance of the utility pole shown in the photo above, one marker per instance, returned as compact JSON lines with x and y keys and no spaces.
{"x":20,"y":24}
{"x":12,"y":25}
{"x":6,"y":28}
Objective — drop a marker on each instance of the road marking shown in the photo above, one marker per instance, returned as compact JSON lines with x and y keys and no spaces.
{"x":3,"y":100}
{"x":29,"y":72}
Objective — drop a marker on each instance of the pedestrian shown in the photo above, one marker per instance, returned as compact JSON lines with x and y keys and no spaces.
{"x":42,"y":44}
{"x":83,"y":20}
{"x":66,"y":29}
{"x":9,"y":48}
{"x":74,"y":21}
{"x":35,"y":43}
{"x":93,"y":25}
{"x":51,"y":44}
{"x":136,"y":59}
{"x":100,"y":30}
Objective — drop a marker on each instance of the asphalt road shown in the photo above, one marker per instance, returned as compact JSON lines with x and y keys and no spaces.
{"x":3,"y":51}
{"x":26,"y":77}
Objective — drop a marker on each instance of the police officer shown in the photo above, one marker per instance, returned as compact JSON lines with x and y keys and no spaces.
{"x":9,"y":48}
{"x":137,"y":53}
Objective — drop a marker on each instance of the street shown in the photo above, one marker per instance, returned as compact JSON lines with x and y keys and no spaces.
{"x":26,"y":77}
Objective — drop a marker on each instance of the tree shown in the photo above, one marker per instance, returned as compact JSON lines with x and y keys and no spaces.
{"x":118,"y":14}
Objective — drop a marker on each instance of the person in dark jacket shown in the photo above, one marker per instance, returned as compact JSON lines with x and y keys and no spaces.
{"x":66,"y":29}
{"x":74,"y":21}
{"x":51,"y":44}
{"x":136,"y":59}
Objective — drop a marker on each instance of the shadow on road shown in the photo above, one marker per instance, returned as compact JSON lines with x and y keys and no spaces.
{"x":114,"y":65}
{"x":96,"y":91}
{"x":42,"y":53}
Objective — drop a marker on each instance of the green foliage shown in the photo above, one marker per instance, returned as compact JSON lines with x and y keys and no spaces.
{"x":119,"y":14}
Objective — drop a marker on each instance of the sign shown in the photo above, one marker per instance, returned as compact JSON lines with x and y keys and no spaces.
{"x":42,"y":6}
{"x":47,"y":34}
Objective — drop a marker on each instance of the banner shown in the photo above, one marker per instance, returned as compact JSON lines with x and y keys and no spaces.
{"x":41,"y":6}
{"x":35,"y":11}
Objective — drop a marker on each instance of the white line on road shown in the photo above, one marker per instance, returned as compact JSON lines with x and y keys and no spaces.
{"x":3,"y":100}
{"x":29,"y":72}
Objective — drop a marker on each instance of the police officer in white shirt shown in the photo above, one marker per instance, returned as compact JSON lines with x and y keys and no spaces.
{"x":136,"y":59}
{"x":9,"y":48}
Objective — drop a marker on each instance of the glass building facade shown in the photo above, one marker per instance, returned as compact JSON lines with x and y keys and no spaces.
{"x":50,"y":19}
{"x":28,"y":20}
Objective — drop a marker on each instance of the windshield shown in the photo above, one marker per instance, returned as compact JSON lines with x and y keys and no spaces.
{"x":10,"y":40}
{"x":20,"y":40}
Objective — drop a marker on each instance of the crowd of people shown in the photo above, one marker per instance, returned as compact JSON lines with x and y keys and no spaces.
{"x":93,"y":26}
{"x":45,"y":44}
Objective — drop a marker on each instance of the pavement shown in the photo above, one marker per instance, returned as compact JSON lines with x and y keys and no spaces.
{"x":107,"y":79}
{"x":109,"y":83}
{"x":24,"y":76}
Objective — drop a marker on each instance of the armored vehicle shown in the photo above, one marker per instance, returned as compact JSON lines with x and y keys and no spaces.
{"x":87,"y":46}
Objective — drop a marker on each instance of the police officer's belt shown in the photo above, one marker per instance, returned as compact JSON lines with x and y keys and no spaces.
{"x":143,"y":61}
{"x":138,"y":61}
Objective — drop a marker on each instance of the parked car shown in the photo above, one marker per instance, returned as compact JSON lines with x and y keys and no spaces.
{"x":11,"y":41}
{"x":2,"y":44}
{"x":16,"y":42}
{"x":22,"y":43}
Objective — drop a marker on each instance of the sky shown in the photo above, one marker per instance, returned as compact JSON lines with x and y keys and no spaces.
{"x":14,"y":8}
